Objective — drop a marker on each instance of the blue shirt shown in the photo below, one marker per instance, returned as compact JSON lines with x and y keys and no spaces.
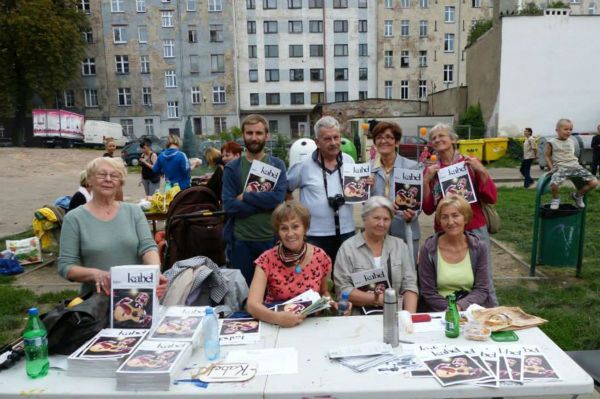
{"x":175,"y":166}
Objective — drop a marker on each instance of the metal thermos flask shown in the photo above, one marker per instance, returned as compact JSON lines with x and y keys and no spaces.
{"x":390,"y":317}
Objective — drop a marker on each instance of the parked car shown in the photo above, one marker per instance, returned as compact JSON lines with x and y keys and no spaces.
{"x":412,"y":146}
{"x":132,"y":152}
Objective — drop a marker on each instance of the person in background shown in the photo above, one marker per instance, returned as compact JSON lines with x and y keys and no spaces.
{"x":289,"y":269}
{"x":173,"y":164}
{"x":214,"y":160}
{"x":596,"y":151}
{"x":110,"y":147}
{"x":83,"y":194}
{"x":373,"y":249}
{"x":454,"y":261}
{"x":105,"y":232}
{"x":150,"y":180}
{"x":230,"y":151}
{"x":529,"y":154}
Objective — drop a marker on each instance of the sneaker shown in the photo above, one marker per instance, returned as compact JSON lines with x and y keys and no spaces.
{"x":554,"y":204}
{"x":578,"y":200}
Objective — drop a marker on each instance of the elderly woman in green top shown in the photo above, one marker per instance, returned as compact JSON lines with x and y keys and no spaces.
{"x":105,"y":232}
{"x":374,"y":255}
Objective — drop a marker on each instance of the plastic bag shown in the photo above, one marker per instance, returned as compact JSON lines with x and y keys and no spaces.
{"x":26,"y":251}
{"x":9,"y":264}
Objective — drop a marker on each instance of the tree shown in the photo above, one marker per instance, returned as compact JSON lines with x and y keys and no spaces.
{"x":474,"y":118}
{"x":478,"y":29}
{"x":190,"y":146}
{"x":41,"y":48}
{"x":558,"y":4}
{"x":531,"y":9}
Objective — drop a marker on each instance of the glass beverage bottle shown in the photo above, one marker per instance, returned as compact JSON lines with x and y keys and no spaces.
{"x":452,"y":328}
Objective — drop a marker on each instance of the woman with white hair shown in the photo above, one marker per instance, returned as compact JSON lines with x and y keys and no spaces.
{"x":374,"y":249}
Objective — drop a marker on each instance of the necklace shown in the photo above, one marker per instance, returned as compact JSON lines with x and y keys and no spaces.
{"x":289,"y":258}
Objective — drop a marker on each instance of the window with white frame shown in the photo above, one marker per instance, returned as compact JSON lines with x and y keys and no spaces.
{"x":340,"y":3}
{"x":422,"y":89}
{"x":216,"y":33}
{"x":253,"y":75}
{"x":192,"y":5}
{"x":220,"y":123}
{"x":69,"y":97}
{"x":270,"y":27}
{"x":144,"y":64}
{"x":404,"y":89}
{"x":84,"y":5}
{"x":293,"y":4}
{"x":167,"y":18}
{"x":250,"y":4}
{"x":88,"y":67}
{"x":388,"y":58}
{"x":140,"y":5}
{"x":423,"y":58}
{"x":88,"y":36}
{"x":340,"y":50}
{"x":317,"y":97}
{"x":404,"y":59}
{"x":127,"y":126}
{"x":405,"y":3}
{"x":362,"y":26}
{"x":296,"y":50}
{"x":271,"y":51}
{"x":252,"y":51}
{"x":172,"y":109}
{"x":254,"y":99}
{"x":424,"y":3}
{"x":142,"y":34}
{"x":170,"y":78}
{"x":168,"y":48}
{"x":340,"y":26}
{"x":316,"y":50}
{"x":315,"y":26}
{"x":387,"y":89}
{"x":423,"y":25}
{"x":341,"y":96}
{"x":294,"y":26}
{"x":215,"y":5}
{"x":448,"y":73}
{"x":449,"y":42}
{"x":149,"y":126}
{"x":388,"y":28}
{"x":363,"y":94}
{"x":194,"y":63}
{"x":341,"y":74}
{"x":192,"y":34}
{"x":296,"y":75}
{"x":122,"y":64}
{"x":90,"y":97}
{"x":218,"y":94}
{"x":389,"y":3}
{"x":316,"y":74}
{"x":271,"y":75}
{"x":449,"y":14}
{"x":120,"y":34}
{"x":362,"y":3}
{"x":147,"y":96}
{"x":117,"y":5}
{"x":297,"y":98}
{"x":476,"y":3}
{"x":251,"y":27}
{"x":269,"y":4}
{"x":196,"y":95}
{"x":217,"y":63}
{"x":124,"y":96}
{"x":363,"y":73}
{"x":315,"y":3}
{"x":363,"y":50}
{"x":404,"y":27}
{"x":591,"y":8}
{"x":272,"y":99}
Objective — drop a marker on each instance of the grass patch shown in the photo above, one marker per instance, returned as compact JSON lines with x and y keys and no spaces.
{"x":561,"y":298}
{"x":134,"y":169}
{"x":18,"y":236}
{"x":504,"y":162}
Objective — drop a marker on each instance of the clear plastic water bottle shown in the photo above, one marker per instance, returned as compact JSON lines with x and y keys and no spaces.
{"x":35,"y":342}
{"x":343,"y":303}
{"x":210,"y":331}
{"x":167,"y":186}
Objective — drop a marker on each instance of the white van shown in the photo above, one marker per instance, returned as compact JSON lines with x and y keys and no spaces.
{"x":94,"y":133}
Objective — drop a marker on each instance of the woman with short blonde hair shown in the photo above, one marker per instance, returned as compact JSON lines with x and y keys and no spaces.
{"x":174,"y":164}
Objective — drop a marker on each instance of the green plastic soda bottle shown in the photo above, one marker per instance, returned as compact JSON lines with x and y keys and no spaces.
{"x":36,"y":346}
{"x":452,"y":318}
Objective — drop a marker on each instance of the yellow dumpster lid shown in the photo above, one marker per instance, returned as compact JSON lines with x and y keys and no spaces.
{"x":475,"y":141}
{"x":496,"y":139}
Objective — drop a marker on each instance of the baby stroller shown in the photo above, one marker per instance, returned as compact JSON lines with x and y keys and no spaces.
{"x":194,"y":227}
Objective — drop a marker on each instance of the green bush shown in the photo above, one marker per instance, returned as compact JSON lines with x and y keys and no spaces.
{"x":473,"y":118}
{"x":478,"y":29}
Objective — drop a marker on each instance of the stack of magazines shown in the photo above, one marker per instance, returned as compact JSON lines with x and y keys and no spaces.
{"x":180,"y":323}
{"x":362,"y":357}
{"x":307,"y":303}
{"x":153,"y":366}
{"x":103,"y":354}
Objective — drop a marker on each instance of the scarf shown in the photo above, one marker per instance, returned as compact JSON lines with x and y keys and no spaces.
{"x":290,"y":258}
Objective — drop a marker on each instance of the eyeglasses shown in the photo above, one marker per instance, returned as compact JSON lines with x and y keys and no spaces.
{"x":108,"y":176}
{"x":385,"y":137}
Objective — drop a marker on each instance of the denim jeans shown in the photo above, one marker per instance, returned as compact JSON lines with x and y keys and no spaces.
{"x":526,"y":172}
{"x":244,"y":253}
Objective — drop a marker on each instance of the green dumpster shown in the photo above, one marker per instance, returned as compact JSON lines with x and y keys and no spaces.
{"x":560,"y":232}
{"x":349,"y":148}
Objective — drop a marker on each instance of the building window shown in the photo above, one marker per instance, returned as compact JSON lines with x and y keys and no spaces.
{"x":449,"y":42}
{"x":315,"y":26}
{"x":216,"y":33}
{"x":340,"y":26}
{"x":122,"y":64}
{"x":270,"y":27}
{"x":404,"y":27}
{"x":271,"y":51}
{"x":250,"y":4}
{"x":253,"y":75}
{"x":341,"y":96}
{"x":273,"y":126}
{"x":422,"y":89}
{"x":404,"y":89}
{"x":404,"y":59}
{"x":149,"y":125}
{"x":192,"y":5}
{"x":88,"y":67}
{"x":362,"y":25}
{"x":144,"y":64}
{"x":388,"y":58}
{"x":387,"y":89}
{"x":340,"y":3}
{"x":167,"y":19}
{"x":423,"y":24}
{"x":117,"y":5}
{"x":389,"y":3}
{"x":254,"y":99}
{"x":251,"y":27}
{"x":295,"y":26}
{"x":252,"y":51}
{"x":423,"y":58}
{"x":316,"y":74}
{"x":120,"y":34}
{"x":220,"y":124}
{"x":196,"y":95}
{"x":294,"y":4}
{"x":140,"y":5}
{"x":296,"y":50}
{"x":215,"y":5}
{"x":341,"y":73}
{"x":316,"y":50}
{"x":449,"y":14}
{"x":147,"y":96}
{"x":88,"y":36}
{"x":217,"y":63}
{"x":127,"y":126}
{"x":269,"y":4}
{"x":218,"y":94}
{"x":362,"y":3}
{"x":363,"y":73}
{"x":363,"y":50}
{"x":194,"y":64}
{"x":170,"y":79}
{"x":340,"y":50}
{"x":424,"y":3}
{"x":405,"y":3}
{"x":296,"y":75}
{"x":69,"y":97}
{"x":317,"y":97}
{"x":172,"y":109}
{"x":476,"y":3}
{"x":315,"y":3}
{"x":592,"y":8}
{"x":192,"y":34}
{"x":142,"y":34}
{"x":297,"y":98}
{"x":168,"y":48}
{"x":124,"y":96}
{"x":388,"y":28}
{"x":448,"y":73}
{"x":91,"y":98}
{"x":84,"y":5}
{"x":272,"y":98}
{"x":271,"y":75}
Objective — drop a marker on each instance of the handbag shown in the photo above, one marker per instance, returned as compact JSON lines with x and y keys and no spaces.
{"x":491,"y":217}
{"x":69,"y":328}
